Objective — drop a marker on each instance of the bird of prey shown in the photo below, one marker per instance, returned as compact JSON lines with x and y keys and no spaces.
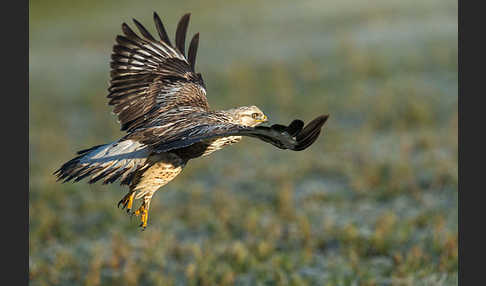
{"x":161,"y":104}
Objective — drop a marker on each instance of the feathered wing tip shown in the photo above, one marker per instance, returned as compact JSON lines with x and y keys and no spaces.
{"x":181,"y":40}
{"x":144,"y":31}
{"x":136,"y":53}
{"x":306,"y":137}
{"x":193,"y":50}
{"x":180,"y":37}
{"x":161,"y":30}
{"x":181,"y":32}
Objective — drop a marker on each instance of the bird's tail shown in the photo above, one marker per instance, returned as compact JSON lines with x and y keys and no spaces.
{"x":119,"y":159}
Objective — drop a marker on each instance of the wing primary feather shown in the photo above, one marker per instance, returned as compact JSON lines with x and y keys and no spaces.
{"x":130,"y":33}
{"x":315,"y":124}
{"x":193,"y":50}
{"x":161,"y":30}
{"x":144,"y":31}
{"x":301,"y":145}
{"x":310,"y":133}
{"x":84,"y":174}
{"x":181,"y":33}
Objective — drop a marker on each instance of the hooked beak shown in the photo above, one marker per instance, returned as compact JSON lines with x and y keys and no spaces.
{"x":265,"y":119}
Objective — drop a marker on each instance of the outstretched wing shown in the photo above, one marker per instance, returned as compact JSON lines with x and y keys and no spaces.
{"x":149,"y":77}
{"x":295,"y":136}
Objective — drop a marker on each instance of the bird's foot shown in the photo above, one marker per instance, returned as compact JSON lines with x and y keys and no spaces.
{"x":127,"y":201}
{"x":143,"y":212}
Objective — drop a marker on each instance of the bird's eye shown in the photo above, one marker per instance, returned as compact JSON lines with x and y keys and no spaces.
{"x":254,"y":115}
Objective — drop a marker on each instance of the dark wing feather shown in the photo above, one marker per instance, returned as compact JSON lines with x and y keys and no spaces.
{"x":193,"y":50}
{"x":144,"y":31}
{"x":151,"y":77}
{"x":161,"y":30}
{"x":181,"y":32}
{"x":295,"y":137}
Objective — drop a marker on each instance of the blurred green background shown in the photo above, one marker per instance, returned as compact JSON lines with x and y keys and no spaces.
{"x":373,"y":202}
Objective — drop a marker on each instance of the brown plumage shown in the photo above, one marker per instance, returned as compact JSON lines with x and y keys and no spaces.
{"x":161,"y":103}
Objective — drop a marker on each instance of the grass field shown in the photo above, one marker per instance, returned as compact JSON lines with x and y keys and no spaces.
{"x":373,"y":202}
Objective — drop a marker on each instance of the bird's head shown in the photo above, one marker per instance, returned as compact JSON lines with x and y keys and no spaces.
{"x":248,"y":115}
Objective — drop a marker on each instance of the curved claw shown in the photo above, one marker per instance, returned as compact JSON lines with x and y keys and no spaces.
{"x":122,"y":201}
{"x":127,"y":201}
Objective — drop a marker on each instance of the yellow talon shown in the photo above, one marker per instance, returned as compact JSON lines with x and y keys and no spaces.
{"x":143,"y":212}
{"x":127,"y":201}
{"x":130,"y":202}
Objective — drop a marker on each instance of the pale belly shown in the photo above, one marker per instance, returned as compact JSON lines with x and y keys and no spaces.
{"x":166,"y":167}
